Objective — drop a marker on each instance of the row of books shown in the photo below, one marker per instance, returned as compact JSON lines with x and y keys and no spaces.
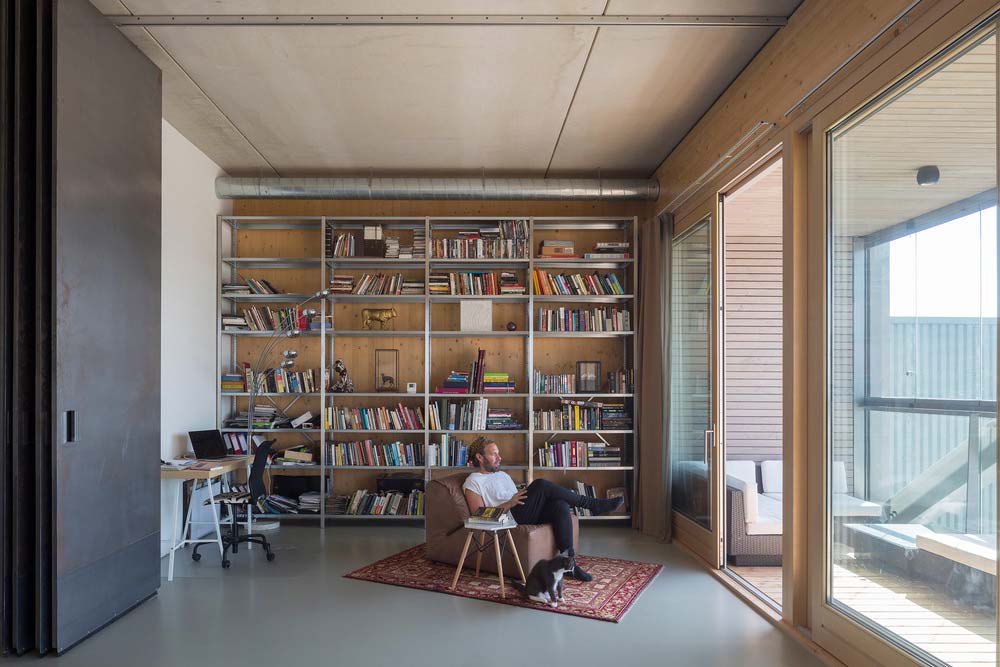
{"x":368,"y":453}
{"x":576,"y":284}
{"x":251,"y":286}
{"x":583,"y":416}
{"x":556,"y":383}
{"x":479,"y":248}
{"x":476,"y":380}
{"x":272,"y":380}
{"x":474,"y":415}
{"x":262,"y":318}
{"x":578,"y":454}
{"x":449,"y":452}
{"x":340,"y":245}
{"x":475,"y":283}
{"x":399,"y":418}
{"x":383,"y":503}
{"x":621,"y":381}
{"x":374,"y":284}
{"x":600,"y":318}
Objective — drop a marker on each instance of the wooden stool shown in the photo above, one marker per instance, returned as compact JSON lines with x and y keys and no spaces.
{"x":500,"y":532}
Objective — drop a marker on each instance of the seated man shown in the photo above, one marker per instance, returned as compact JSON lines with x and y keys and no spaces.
{"x":541,"y":502}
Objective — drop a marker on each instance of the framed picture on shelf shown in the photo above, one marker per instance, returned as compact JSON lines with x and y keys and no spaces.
{"x":386,"y":370}
{"x":588,"y":376}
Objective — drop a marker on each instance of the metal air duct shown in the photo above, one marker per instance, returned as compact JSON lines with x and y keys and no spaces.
{"x":560,"y":189}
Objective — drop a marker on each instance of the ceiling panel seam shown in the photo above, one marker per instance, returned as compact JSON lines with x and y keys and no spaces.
{"x":572,"y":99}
{"x":205,"y":94}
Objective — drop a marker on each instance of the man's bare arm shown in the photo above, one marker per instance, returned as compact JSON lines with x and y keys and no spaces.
{"x":474,"y":500}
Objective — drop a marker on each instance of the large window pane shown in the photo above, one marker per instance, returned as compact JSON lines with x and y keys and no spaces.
{"x":912,"y":360}
{"x":691,"y":372}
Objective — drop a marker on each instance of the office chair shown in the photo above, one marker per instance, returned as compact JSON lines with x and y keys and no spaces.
{"x":234,"y":499}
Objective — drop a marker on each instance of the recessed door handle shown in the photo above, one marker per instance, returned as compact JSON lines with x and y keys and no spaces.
{"x":69,"y":427}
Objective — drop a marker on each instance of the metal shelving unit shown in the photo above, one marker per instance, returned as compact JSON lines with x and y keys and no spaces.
{"x":231,"y":266}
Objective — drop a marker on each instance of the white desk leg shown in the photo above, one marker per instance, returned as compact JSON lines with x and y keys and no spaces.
{"x":215,"y":516}
{"x":177,"y":523}
{"x":186,"y":533}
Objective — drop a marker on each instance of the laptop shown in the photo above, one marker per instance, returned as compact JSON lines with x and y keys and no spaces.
{"x":208,"y":444}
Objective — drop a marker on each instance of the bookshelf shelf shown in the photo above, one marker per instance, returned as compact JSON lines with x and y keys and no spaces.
{"x":581,"y":298}
{"x":272,"y":262}
{"x":266,"y":298}
{"x":266,"y":334}
{"x":607,"y":517}
{"x":429,"y":340}
{"x":480,"y":334}
{"x":494,"y":431}
{"x":377,"y":298}
{"x":587,"y":468}
{"x":583,"y":334}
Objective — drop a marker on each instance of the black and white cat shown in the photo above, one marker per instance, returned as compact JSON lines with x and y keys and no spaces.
{"x":545,"y":581}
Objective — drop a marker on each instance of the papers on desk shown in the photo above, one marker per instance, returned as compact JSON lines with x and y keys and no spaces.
{"x":176,"y":464}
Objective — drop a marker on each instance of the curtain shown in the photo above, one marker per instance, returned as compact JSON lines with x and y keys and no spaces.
{"x":652,"y":511}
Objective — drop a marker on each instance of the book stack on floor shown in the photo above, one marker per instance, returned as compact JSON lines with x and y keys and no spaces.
{"x":384,"y":503}
{"x":368,"y":453}
{"x":507,"y":239}
{"x":556,"y":249}
{"x":571,"y":416}
{"x":609,"y":250}
{"x":614,"y":417}
{"x":489,"y":517}
{"x":599,"y":318}
{"x":450,"y":452}
{"x":543,"y":383}
{"x":578,"y":454}
{"x":576,"y":284}
{"x":399,"y":418}
{"x":621,"y":382}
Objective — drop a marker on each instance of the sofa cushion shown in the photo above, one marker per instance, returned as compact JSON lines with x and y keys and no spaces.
{"x":769,"y":513}
{"x":743,"y":470}
{"x":770,"y":476}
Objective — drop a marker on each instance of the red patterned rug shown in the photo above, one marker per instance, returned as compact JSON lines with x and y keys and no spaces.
{"x":616,"y":585}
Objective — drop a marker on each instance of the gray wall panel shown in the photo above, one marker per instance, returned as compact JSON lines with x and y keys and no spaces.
{"x":107,"y":292}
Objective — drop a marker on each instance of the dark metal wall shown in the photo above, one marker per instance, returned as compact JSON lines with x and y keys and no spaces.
{"x":107,"y":322}
{"x":79,"y":324}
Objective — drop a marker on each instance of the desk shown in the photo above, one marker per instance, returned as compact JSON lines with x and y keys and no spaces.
{"x":227,"y":465}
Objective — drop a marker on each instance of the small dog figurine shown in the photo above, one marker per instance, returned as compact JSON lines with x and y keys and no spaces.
{"x":344,"y":384}
{"x":545,"y":581}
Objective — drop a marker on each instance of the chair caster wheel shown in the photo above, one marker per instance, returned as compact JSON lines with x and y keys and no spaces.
{"x":270,"y":556}
{"x":196,"y":557}
{"x":225,"y":565}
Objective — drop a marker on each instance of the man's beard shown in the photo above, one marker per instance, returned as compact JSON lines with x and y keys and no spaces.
{"x":489,"y":467}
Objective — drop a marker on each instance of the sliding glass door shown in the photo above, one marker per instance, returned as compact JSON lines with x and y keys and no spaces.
{"x":911,"y":500}
{"x":691,"y":375}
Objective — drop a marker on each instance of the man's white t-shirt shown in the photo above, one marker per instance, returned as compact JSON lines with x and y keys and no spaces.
{"x":495,"y":487}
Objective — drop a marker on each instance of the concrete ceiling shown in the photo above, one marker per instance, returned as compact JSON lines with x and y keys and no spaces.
{"x":557,"y":101}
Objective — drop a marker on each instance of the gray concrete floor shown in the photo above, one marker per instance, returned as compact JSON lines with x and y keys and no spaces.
{"x":299,"y":610}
